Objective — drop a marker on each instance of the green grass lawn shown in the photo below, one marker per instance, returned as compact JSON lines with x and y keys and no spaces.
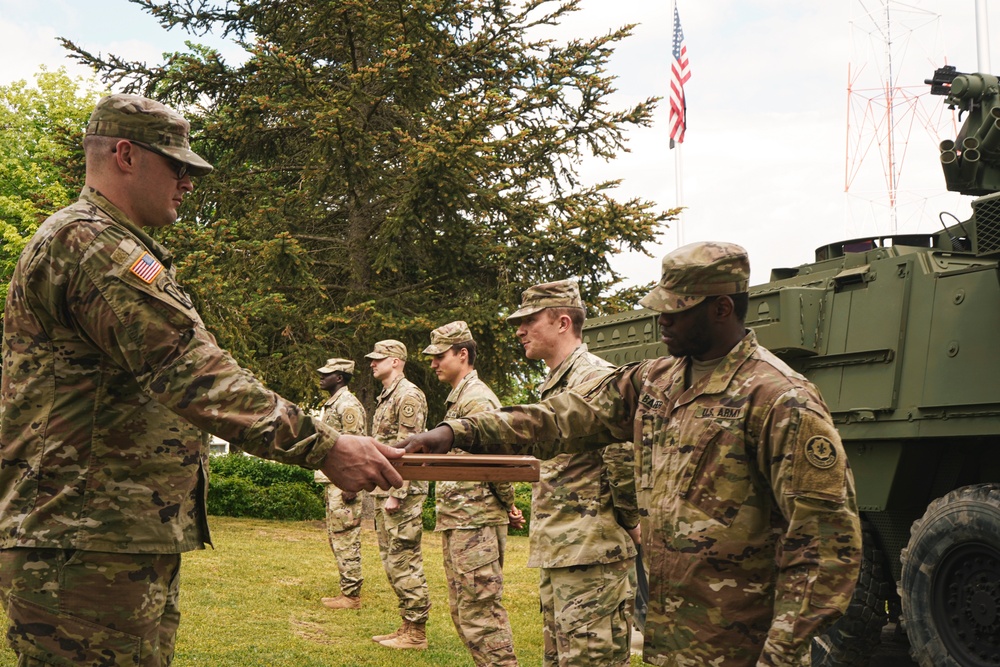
{"x":253,"y":601}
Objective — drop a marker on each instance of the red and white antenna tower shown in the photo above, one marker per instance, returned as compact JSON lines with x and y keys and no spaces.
{"x":889,"y":112}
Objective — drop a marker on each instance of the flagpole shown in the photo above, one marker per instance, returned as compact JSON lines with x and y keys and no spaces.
{"x":679,"y":192}
{"x":678,"y":115}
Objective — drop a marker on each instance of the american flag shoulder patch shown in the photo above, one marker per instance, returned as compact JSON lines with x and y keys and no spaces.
{"x":146,"y":268}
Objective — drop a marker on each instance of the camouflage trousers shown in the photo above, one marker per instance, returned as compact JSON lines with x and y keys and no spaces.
{"x":587,"y":614}
{"x":343,"y":530}
{"x":86,"y":608}
{"x":399,"y":536}
{"x":473,"y":566}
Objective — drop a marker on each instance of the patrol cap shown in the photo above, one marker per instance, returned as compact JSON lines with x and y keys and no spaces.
{"x":696,"y":271}
{"x":149,"y":122}
{"x":447,"y":335}
{"x":336,"y":365}
{"x":388,"y":348}
{"x":560,"y":294}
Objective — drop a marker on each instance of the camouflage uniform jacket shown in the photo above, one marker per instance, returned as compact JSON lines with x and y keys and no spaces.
{"x":109,"y":378}
{"x":400,"y":410}
{"x":752,"y":539}
{"x":345,"y":414}
{"x":582,"y":499}
{"x":471,"y":504}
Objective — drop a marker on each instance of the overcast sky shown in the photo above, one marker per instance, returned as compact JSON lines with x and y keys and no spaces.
{"x":766,"y":157}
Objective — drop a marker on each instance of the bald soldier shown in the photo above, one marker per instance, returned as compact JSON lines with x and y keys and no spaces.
{"x":110,"y":383}
{"x":344,"y":413}
{"x":472,"y":517}
{"x":751,"y":534}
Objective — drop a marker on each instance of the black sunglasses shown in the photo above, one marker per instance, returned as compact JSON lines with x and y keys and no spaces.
{"x":180,"y":168}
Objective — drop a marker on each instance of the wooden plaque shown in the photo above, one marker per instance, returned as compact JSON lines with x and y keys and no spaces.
{"x":471,"y":467}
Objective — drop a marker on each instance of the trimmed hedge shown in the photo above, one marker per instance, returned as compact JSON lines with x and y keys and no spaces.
{"x":249,"y":487}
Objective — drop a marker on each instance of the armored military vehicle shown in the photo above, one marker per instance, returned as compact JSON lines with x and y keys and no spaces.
{"x":902,"y":336}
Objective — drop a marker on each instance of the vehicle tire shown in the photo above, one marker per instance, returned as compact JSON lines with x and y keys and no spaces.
{"x":950,"y":585}
{"x":851,"y":641}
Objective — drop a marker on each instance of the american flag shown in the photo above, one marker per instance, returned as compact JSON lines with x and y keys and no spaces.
{"x":147,"y":268}
{"x":679,"y":75}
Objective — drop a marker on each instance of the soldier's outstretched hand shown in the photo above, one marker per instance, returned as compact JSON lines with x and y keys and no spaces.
{"x":358,"y":462}
{"x":438,"y":440}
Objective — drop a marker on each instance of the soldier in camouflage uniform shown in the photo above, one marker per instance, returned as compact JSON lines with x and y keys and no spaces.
{"x":344,"y":412}
{"x":400,"y":411}
{"x":584,"y":514}
{"x":472,"y":517}
{"x":752,"y":538}
{"x":109,"y":382}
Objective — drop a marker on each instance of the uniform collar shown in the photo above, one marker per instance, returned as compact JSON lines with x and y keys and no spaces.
{"x":560,"y":371}
{"x":387,"y":391}
{"x":722,"y":376}
{"x":460,"y":387}
{"x":335,"y":395}
{"x":92,"y":196}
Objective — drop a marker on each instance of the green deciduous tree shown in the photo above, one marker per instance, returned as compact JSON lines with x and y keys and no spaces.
{"x":385,"y":167}
{"x":41,"y":156}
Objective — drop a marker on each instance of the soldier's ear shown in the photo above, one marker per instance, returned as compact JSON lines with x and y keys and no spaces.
{"x":723,"y":307}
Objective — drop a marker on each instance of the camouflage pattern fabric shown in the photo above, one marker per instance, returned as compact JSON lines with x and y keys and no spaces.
{"x":400,"y":411}
{"x":346,"y":547}
{"x":144,"y":120}
{"x":582,"y":498}
{"x":473,"y":563}
{"x":468,"y":504}
{"x":90,"y":609}
{"x":345,"y":413}
{"x":399,"y":536}
{"x":696,"y":271}
{"x":752,"y":539}
{"x":109,"y":378}
{"x":577,"y":507}
{"x":473,"y":518}
{"x":592,"y":609}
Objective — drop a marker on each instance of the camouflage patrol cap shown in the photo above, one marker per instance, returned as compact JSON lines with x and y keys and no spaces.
{"x":447,"y":335}
{"x":560,"y":294}
{"x":388,"y":348}
{"x":149,"y":122}
{"x":336,"y":365}
{"x":696,"y":271}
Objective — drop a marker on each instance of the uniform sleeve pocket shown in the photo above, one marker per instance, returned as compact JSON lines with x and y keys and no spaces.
{"x":716,"y":478}
{"x":61,"y":639}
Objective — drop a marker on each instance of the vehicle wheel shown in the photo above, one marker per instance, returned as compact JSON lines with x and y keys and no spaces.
{"x":950,"y":584}
{"x":851,"y":641}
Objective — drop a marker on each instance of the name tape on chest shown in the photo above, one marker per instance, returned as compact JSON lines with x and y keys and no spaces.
{"x":146,"y":268}
{"x":720,"y":412}
{"x":650,"y":402}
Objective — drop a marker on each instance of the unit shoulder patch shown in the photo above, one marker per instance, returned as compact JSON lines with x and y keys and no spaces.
{"x":820,"y":452}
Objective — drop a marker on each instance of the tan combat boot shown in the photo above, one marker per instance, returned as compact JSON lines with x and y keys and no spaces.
{"x":378,"y":639}
{"x":342,"y":602}
{"x":413,"y":636}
